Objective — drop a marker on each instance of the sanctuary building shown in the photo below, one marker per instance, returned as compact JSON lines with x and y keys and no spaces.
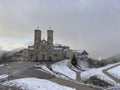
{"x":44,"y":50}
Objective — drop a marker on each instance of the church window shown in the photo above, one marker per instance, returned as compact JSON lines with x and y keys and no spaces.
{"x":50,"y":46}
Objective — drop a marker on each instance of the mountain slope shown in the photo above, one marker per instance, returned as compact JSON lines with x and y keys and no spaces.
{"x":113,"y":59}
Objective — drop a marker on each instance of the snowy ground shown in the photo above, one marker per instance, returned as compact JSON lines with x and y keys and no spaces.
{"x":1,"y":65}
{"x":61,"y":67}
{"x":83,"y":65}
{"x":44,"y":68}
{"x":98,"y":72}
{"x":3,"y":77}
{"x":115,"y":72}
{"x":35,"y":84}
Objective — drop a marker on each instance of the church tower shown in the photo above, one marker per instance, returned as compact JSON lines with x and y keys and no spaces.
{"x":37,"y":40}
{"x":50,"y":37}
{"x":37,"y":36}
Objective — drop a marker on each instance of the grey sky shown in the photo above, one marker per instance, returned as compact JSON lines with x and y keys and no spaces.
{"x":93,"y":25}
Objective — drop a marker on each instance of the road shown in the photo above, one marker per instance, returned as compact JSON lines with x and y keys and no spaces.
{"x":71,"y":84}
{"x":111,"y":76}
{"x":78,"y":78}
{"x":25,"y":69}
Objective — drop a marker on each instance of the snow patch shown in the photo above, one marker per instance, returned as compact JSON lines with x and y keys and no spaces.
{"x":61,"y":67}
{"x":98,"y":72}
{"x":115,"y":72}
{"x":1,"y":65}
{"x":44,"y":67}
{"x":35,"y":84}
{"x":83,"y":64}
{"x":3,"y":77}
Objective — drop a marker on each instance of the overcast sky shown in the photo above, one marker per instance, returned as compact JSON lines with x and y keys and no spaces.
{"x":93,"y":25}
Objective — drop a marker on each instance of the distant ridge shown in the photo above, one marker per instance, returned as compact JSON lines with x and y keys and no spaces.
{"x":2,"y":52}
{"x":11,"y":52}
{"x":113,"y":59}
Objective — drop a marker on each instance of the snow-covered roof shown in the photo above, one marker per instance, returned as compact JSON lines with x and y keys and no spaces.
{"x":66,"y":49}
{"x":58,"y":48}
{"x":83,"y":52}
{"x":30,"y":47}
{"x":57,"y":45}
{"x":77,"y":51}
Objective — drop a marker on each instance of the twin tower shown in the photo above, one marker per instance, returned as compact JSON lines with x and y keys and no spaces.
{"x":37,"y":38}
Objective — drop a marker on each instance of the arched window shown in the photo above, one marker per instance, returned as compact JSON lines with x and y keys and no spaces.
{"x":43,"y":47}
{"x":50,"y":46}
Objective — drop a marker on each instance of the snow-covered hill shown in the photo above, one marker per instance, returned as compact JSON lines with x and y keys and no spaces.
{"x":98,"y":72}
{"x":62,"y":67}
{"x":115,"y":72}
{"x":10,"y":53}
{"x":35,"y":84}
{"x":2,"y":52}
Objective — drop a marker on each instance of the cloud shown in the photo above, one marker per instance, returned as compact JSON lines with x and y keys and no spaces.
{"x":12,"y":43}
{"x":83,"y":24}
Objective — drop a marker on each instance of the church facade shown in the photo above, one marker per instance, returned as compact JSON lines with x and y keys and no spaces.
{"x":44,"y":50}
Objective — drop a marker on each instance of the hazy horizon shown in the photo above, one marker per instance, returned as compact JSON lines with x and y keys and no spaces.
{"x":92,"y":25}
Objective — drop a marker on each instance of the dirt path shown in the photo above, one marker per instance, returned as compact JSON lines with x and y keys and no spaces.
{"x":111,"y":76}
{"x":71,"y":84}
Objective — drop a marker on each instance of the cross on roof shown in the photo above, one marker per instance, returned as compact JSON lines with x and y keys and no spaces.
{"x":50,"y":28}
{"x":38,"y":27}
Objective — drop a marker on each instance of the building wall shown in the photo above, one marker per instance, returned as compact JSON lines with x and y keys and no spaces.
{"x":68,"y":53}
{"x":25,"y":54}
{"x":58,"y":54}
{"x":44,"y":50}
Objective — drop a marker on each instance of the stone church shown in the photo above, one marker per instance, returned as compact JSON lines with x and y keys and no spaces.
{"x":44,"y":50}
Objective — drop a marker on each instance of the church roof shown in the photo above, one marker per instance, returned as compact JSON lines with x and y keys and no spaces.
{"x":83,"y":52}
{"x":57,"y":45}
{"x":58,"y":48}
{"x":30,"y":47}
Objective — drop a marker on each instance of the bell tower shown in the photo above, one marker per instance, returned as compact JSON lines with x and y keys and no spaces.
{"x":37,"y":36}
{"x":37,"y":40}
{"x":50,"y":37}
